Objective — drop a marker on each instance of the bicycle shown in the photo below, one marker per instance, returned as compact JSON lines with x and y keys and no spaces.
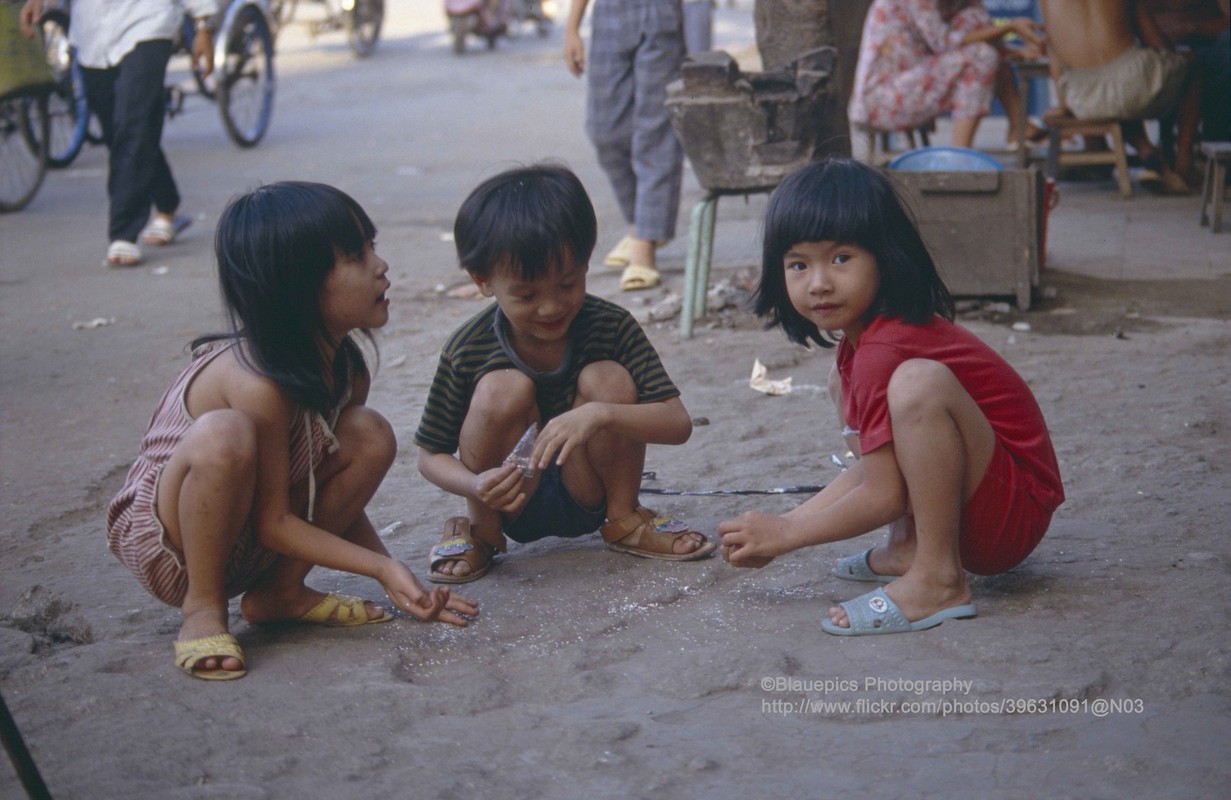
{"x":361,"y":19}
{"x":242,"y":83}
{"x":25,"y":84}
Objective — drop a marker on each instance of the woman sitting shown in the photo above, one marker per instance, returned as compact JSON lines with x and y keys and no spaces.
{"x":919,"y":59}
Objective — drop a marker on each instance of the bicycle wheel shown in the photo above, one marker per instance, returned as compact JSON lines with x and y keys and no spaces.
{"x":23,"y":152}
{"x":363,"y":25}
{"x":67,"y":111}
{"x":246,"y":84}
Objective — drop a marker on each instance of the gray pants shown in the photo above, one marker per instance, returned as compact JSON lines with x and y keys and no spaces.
{"x":636,"y":49}
{"x":698,"y":26}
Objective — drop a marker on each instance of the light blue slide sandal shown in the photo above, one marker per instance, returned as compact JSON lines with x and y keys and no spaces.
{"x":874,"y":613}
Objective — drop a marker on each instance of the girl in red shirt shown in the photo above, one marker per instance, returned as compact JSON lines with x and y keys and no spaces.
{"x":954,"y":454}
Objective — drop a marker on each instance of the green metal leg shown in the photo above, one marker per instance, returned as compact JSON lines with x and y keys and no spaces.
{"x":697,"y":266}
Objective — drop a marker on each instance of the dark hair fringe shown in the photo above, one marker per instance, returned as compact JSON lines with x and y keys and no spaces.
{"x":529,"y":219}
{"x":275,"y":246}
{"x":843,"y":200}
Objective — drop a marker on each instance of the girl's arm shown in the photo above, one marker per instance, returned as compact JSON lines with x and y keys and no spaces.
{"x":863,"y":498}
{"x":280,"y":529}
{"x":277,"y":525}
{"x":662,"y":422}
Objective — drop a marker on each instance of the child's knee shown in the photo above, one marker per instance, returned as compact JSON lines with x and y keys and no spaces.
{"x":983,"y":57}
{"x":502,"y":397}
{"x":918,"y":383}
{"x":367,"y":435}
{"x":606,"y":381}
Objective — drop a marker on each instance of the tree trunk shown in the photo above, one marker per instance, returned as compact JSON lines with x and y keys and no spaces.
{"x":786,"y":28}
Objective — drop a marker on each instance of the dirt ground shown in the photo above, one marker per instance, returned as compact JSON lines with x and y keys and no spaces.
{"x":590,"y":673}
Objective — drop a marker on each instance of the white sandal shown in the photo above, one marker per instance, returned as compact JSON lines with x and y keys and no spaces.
{"x":123,"y":254}
{"x":160,"y":232}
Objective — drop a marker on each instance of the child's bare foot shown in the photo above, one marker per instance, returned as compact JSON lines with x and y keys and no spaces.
{"x":265,"y":605}
{"x":917,"y":597}
{"x":891,"y":559}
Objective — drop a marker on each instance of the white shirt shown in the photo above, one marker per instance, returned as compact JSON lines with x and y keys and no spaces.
{"x":104,"y":31}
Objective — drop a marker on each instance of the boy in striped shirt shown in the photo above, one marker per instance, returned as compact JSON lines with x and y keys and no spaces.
{"x":545,"y":353}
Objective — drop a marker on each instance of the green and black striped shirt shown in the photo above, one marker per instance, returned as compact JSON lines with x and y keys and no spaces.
{"x":602,"y":331}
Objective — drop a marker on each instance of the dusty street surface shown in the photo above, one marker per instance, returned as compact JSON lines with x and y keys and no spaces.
{"x":592,"y":674}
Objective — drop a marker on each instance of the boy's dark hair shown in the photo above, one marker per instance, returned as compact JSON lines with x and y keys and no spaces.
{"x":842,"y":200}
{"x":275,"y":246}
{"x":528,"y":219}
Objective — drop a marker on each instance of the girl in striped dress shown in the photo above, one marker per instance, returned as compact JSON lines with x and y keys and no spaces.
{"x":261,"y":456}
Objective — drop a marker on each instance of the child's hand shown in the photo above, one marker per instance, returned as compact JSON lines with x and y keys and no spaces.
{"x":500,"y":489}
{"x":409,"y":595}
{"x":567,"y":432}
{"x":752,"y":539}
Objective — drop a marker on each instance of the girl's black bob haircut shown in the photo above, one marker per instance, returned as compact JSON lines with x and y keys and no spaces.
{"x":275,"y":246}
{"x":842,"y":200}
{"x":528,"y":219}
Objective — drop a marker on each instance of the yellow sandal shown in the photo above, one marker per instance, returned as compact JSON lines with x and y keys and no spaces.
{"x":342,"y":611}
{"x":191,"y":652}
{"x":638,"y":276}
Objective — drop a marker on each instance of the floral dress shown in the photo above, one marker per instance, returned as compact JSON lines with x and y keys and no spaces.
{"x":912,"y":66}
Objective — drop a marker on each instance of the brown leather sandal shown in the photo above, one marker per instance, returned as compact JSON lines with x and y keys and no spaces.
{"x":649,"y":535}
{"x":458,"y":544}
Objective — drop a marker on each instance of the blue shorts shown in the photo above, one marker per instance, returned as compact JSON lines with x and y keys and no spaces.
{"x":552,"y":511}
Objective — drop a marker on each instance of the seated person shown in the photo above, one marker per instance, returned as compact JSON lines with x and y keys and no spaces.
{"x":919,"y":59}
{"x":1203,"y":27}
{"x":1101,"y":71}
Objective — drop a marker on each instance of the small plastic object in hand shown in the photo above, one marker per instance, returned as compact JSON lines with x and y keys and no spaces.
{"x":523,"y":450}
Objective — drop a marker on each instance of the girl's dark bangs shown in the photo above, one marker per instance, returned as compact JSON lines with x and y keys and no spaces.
{"x":827,"y":216}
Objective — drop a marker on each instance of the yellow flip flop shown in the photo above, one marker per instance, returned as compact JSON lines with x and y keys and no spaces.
{"x":342,"y":611}
{"x":221,"y":645}
{"x":620,"y":254}
{"x":638,"y":276}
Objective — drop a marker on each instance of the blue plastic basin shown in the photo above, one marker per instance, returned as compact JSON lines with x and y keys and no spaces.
{"x":942,"y":159}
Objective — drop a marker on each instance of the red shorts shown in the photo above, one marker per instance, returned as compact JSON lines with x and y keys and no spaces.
{"x":1003,"y":521}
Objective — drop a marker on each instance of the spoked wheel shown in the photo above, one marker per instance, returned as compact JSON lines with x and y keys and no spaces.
{"x":24,"y":129}
{"x":68,"y":113}
{"x":363,"y":25}
{"x":246,"y":78}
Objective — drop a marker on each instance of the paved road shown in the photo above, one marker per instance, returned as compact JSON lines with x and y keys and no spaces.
{"x":408,"y":132}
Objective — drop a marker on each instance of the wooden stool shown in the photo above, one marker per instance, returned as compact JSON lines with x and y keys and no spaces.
{"x":882,"y":154}
{"x":1216,"y":156}
{"x":1057,"y":158}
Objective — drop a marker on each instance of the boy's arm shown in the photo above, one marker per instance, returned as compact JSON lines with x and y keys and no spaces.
{"x":500,"y":488}
{"x":662,"y":422}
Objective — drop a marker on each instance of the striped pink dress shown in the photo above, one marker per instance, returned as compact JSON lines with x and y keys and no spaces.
{"x":134,"y":532}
